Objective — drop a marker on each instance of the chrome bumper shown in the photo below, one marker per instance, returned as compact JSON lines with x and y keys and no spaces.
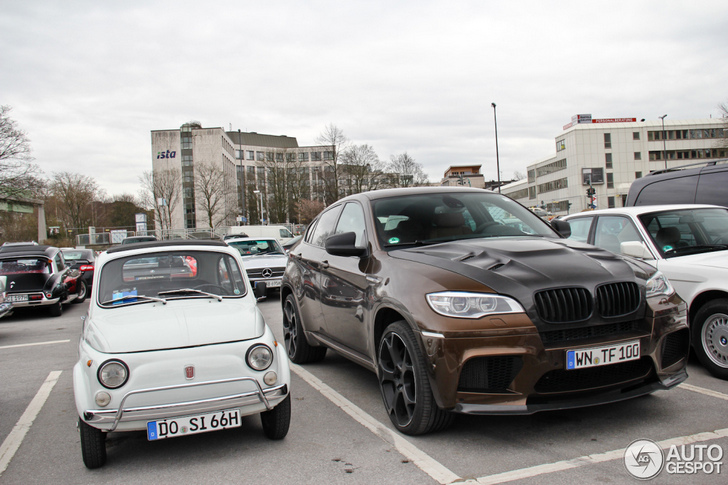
{"x":100,"y":417}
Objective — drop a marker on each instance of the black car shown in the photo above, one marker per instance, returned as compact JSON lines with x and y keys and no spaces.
{"x":38,"y":276}
{"x":697,"y":183}
{"x":83,"y":260}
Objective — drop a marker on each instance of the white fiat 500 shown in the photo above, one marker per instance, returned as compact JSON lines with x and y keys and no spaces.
{"x":174,"y":344}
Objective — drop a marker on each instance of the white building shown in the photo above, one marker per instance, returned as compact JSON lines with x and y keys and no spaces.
{"x":608,"y":155}
{"x":246,"y":160}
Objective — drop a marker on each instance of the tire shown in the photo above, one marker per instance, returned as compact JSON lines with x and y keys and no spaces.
{"x":403,"y":381}
{"x":710,"y":337}
{"x":277,"y":421}
{"x":297,"y":347}
{"x":56,"y":310}
{"x":93,"y":445}
{"x":82,"y":292}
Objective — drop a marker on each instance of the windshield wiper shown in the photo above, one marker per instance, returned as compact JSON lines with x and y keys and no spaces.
{"x":190,"y":290}
{"x":133,"y":297}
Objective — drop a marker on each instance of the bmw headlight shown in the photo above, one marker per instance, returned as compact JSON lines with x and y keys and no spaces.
{"x":659,"y":285}
{"x":259,"y":357}
{"x":113,"y":374}
{"x":461,"y":304}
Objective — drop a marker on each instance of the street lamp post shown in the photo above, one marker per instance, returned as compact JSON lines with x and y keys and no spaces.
{"x":664,"y":144}
{"x":497,"y":157}
{"x":262,"y":207}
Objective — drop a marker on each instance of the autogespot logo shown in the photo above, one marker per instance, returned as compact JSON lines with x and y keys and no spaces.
{"x":644,"y":459}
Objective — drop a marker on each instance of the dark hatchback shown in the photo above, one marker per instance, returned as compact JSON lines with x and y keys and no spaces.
{"x":463,"y":301}
{"x":38,"y":276}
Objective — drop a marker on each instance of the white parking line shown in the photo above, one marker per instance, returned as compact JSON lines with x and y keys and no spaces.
{"x":558,"y":466}
{"x":33,"y":344}
{"x":425,"y":462}
{"x":702,"y":390}
{"x":443,"y":475}
{"x":16,"y":436}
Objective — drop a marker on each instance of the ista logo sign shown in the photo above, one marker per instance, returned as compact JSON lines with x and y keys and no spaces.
{"x":166,"y":154}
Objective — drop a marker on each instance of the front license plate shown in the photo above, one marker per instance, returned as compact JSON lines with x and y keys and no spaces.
{"x":17,"y":297}
{"x":596,"y":356}
{"x":273,"y":283}
{"x":201,"y":423}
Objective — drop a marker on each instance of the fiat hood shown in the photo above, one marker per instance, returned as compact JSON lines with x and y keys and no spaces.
{"x":179,"y":323}
{"x":519,"y":267}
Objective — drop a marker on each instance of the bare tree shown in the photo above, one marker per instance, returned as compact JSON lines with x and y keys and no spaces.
{"x":161,"y":192}
{"x":19,"y":177}
{"x":361,"y":168}
{"x":308,"y":209}
{"x":74,"y":196}
{"x":335,"y":138}
{"x":517,"y":175}
{"x":214,"y":194}
{"x":409,"y":173}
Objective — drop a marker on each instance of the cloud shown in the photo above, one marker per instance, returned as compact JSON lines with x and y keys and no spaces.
{"x":89,"y":81}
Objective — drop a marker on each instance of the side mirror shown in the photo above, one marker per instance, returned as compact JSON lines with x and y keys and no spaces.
{"x":344,"y":245}
{"x":635,"y":249}
{"x":562,"y":227}
{"x":260,"y":290}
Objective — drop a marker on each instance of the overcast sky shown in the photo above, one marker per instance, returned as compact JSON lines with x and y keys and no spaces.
{"x":89,"y":80}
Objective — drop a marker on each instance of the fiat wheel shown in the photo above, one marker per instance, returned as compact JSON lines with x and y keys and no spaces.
{"x":299,"y":350}
{"x":93,"y":445}
{"x":710,"y":337}
{"x":403,"y":382}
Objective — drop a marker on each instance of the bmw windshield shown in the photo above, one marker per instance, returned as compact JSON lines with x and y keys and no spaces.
{"x":434,"y":218}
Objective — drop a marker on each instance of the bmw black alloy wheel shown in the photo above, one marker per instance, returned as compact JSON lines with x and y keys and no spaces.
{"x":397,"y":379}
{"x":290,"y":327}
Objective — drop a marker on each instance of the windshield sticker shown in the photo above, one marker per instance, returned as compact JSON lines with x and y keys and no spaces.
{"x":119,"y":295}
{"x":393,"y":240}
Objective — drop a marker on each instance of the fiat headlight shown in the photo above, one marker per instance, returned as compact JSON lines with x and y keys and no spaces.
{"x":659,"y":285}
{"x":460,"y":304}
{"x":113,"y":374}
{"x":259,"y":357}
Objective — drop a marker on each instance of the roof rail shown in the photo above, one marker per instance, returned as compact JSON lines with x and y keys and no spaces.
{"x":706,"y":163}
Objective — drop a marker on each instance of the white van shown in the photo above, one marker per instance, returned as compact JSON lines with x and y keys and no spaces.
{"x":279,"y":232}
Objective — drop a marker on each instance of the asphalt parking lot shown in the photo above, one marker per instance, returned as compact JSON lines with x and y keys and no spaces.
{"x":340,"y":433}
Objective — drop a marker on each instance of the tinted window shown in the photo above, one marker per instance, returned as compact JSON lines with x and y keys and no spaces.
{"x":680,"y":190}
{"x":352,"y":220}
{"x":325,"y":226}
{"x":712,"y":187}
{"x":431,"y":218}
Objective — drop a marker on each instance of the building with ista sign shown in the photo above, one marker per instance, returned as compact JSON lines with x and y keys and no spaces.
{"x":247,"y":168}
{"x":603,"y":157}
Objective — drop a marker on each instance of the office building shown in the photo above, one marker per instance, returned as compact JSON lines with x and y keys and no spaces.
{"x":606,"y":155}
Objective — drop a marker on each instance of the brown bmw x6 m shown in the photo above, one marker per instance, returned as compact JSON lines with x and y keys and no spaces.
{"x":463,"y":301}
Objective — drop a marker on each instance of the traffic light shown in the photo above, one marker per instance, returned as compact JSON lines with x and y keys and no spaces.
{"x":590,"y":191}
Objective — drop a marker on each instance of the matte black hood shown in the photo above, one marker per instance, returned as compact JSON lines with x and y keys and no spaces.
{"x":520,"y":267}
